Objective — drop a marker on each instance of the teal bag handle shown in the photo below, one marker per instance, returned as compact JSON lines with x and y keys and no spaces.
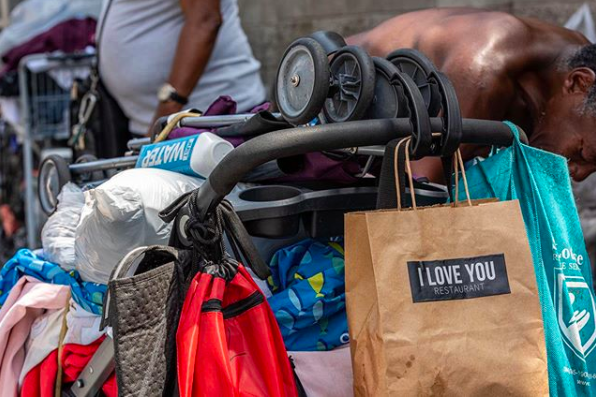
{"x":494,"y":150}
{"x":516,"y":136}
{"x":514,"y":129}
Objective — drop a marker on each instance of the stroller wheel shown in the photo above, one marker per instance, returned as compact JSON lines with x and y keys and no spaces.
{"x":353,"y":85}
{"x":91,"y":176}
{"x":388,"y":100}
{"x":53,"y":175}
{"x":418,"y":115}
{"x":416,"y":65}
{"x":331,"y":41}
{"x":302,"y":81}
{"x":452,"y":122}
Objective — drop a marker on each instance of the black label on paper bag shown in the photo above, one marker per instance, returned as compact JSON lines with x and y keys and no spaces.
{"x":463,"y":278}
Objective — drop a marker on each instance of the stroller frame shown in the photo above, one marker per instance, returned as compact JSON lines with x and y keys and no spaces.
{"x":284,"y":143}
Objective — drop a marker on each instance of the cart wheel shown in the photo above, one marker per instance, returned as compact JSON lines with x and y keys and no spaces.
{"x":388,"y":101}
{"x":90,"y":176}
{"x":452,"y":121}
{"x":53,"y":175}
{"x":416,"y":65}
{"x":302,"y":81}
{"x":353,"y":85}
{"x":331,"y":41}
{"x":418,"y":114}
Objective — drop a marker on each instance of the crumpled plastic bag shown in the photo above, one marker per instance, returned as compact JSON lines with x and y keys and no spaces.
{"x":58,"y":234}
{"x":123,"y":214}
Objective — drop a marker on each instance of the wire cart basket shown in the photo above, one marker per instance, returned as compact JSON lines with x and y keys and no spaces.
{"x":45,"y":81}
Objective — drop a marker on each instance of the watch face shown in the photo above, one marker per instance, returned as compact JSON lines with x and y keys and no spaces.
{"x":165,"y":92}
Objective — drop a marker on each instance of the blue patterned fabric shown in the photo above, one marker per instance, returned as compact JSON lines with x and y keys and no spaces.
{"x":26,"y":263}
{"x":540,"y":181}
{"x":308,"y":299}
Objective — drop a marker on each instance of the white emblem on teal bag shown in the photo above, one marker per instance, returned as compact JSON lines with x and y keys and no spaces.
{"x":576,"y":313}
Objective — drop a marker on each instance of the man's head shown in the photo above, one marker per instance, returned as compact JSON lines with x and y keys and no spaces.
{"x":568,"y":124}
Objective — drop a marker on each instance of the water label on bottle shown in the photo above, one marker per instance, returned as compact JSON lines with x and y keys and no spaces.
{"x":172,"y":155}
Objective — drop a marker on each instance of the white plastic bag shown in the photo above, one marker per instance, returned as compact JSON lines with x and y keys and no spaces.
{"x":122,"y":214}
{"x":58,"y":234}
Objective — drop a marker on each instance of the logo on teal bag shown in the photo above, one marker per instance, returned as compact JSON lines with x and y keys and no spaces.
{"x":576,"y":313}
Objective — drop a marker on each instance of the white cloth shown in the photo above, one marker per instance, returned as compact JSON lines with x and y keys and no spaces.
{"x":325,"y":373}
{"x":43,"y":339}
{"x":82,"y":326}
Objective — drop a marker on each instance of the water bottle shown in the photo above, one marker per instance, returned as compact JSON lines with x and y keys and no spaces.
{"x":195,"y":155}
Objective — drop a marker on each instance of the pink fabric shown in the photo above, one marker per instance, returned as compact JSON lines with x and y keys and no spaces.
{"x":27,"y":300}
{"x":325,"y":374}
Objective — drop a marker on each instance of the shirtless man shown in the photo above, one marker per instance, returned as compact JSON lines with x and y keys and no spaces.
{"x":540,"y":76}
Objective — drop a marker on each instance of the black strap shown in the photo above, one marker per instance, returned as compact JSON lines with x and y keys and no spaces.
{"x":169,"y":213}
{"x":239,"y":239}
{"x":242,"y":242}
{"x":261,"y":123}
{"x":299,"y":387}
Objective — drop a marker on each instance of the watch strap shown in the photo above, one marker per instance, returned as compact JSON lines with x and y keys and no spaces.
{"x":174,"y":96}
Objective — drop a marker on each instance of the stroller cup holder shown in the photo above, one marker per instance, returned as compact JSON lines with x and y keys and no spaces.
{"x":261,"y":194}
{"x":278,"y":211}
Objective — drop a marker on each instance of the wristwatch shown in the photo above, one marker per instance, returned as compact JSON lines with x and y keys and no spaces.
{"x":168,"y":93}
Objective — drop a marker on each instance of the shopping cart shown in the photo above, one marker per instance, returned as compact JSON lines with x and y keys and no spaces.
{"x":45,"y":81}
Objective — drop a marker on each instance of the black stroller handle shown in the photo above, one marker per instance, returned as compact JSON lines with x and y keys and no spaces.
{"x":327,"y":137}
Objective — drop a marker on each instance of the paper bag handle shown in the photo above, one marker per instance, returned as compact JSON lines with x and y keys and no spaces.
{"x":405,"y":141}
{"x":458,"y":162}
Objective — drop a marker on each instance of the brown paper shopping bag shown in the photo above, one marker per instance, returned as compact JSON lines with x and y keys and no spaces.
{"x":442,"y":301}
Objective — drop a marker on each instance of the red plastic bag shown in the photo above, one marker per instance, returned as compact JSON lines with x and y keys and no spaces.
{"x":228,"y":340}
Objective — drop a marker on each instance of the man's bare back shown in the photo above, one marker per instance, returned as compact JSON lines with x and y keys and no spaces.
{"x":503,"y":67}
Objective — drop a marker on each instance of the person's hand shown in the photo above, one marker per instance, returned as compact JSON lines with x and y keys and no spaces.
{"x":164,"y":109}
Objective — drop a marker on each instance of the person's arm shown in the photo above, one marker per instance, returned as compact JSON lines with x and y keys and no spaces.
{"x":202,"y":20}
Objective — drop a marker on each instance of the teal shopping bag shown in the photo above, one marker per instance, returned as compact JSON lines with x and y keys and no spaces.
{"x":540,"y":181}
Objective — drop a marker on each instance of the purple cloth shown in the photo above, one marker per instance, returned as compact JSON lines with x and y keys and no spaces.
{"x":261,"y":108}
{"x":68,"y":36}
{"x":318,"y":167}
{"x":222,"y":106}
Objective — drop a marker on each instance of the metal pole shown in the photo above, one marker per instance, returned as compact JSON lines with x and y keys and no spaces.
{"x":218,"y":121}
{"x":30,"y":213}
{"x":5,"y":10}
{"x":101,"y":165}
